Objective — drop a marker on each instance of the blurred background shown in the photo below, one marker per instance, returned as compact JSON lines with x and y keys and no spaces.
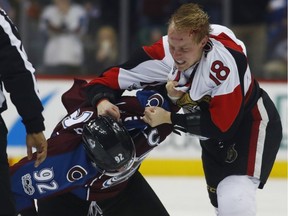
{"x":83,"y":37}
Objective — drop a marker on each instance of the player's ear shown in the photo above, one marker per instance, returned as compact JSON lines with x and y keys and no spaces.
{"x":204,"y":41}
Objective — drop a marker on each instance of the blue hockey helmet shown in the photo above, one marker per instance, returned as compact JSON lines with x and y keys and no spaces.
{"x":109,"y":145}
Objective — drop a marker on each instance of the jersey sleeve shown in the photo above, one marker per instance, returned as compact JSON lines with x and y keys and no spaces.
{"x":149,"y":65}
{"x":59,"y":173}
{"x":17,"y":74}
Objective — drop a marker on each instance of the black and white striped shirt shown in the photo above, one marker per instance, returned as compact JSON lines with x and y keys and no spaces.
{"x":17,"y":77}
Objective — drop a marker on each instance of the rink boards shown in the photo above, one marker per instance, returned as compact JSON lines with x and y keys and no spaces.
{"x":178,"y":155}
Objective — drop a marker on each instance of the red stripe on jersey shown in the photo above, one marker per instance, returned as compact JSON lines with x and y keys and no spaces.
{"x":178,"y":76}
{"x":225,"y":108}
{"x":109,"y":78}
{"x":253,"y":141}
{"x":156,"y":50}
{"x":227,"y":41}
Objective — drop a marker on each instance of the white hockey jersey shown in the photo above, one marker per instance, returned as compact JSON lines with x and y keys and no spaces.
{"x":222,"y":73}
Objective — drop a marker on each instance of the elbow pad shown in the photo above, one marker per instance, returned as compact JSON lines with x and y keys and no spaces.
{"x":190,"y":122}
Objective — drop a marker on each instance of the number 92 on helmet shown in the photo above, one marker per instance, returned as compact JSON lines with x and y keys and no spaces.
{"x":109,"y":145}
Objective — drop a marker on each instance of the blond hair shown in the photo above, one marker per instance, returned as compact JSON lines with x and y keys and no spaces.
{"x":190,"y":17}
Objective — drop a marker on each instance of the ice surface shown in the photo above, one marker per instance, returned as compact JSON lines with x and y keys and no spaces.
{"x":187,"y":196}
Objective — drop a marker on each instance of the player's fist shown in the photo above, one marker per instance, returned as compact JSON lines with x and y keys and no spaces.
{"x":172,"y":93}
{"x":105,"y":107}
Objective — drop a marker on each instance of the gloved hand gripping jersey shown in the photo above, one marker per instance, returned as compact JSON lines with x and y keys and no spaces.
{"x":190,"y":121}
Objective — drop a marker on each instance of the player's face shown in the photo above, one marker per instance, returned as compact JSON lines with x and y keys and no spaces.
{"x":184,"y":50}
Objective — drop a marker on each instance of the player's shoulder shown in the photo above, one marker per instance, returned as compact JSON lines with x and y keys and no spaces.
{"x":222,"y":36}
{"x":221,"y":41}
{"x":159,"y":50}
{"x":215,"y":51}
{"x":217,"y":29}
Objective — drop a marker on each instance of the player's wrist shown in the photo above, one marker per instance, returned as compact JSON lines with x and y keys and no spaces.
{"x":173,"y":98}
{"x":99,"y":97}
{"x":168,"y":118}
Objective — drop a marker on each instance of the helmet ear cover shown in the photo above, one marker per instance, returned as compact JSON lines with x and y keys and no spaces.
{"x":109,"y":145}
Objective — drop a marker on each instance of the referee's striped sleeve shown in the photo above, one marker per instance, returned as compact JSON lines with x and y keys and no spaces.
{"x":17,"y":75}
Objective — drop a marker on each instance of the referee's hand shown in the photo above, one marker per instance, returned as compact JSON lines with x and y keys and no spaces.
{"x":38,"y":141}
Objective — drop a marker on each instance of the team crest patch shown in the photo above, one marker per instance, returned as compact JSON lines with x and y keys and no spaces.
{"x":187,"y":103}
{"x":155,"y":100}
{"x":231,"y":154}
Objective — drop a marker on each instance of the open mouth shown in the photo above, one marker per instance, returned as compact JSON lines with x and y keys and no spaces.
{"x":179,"y":62}
{"x":180,"y":65}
